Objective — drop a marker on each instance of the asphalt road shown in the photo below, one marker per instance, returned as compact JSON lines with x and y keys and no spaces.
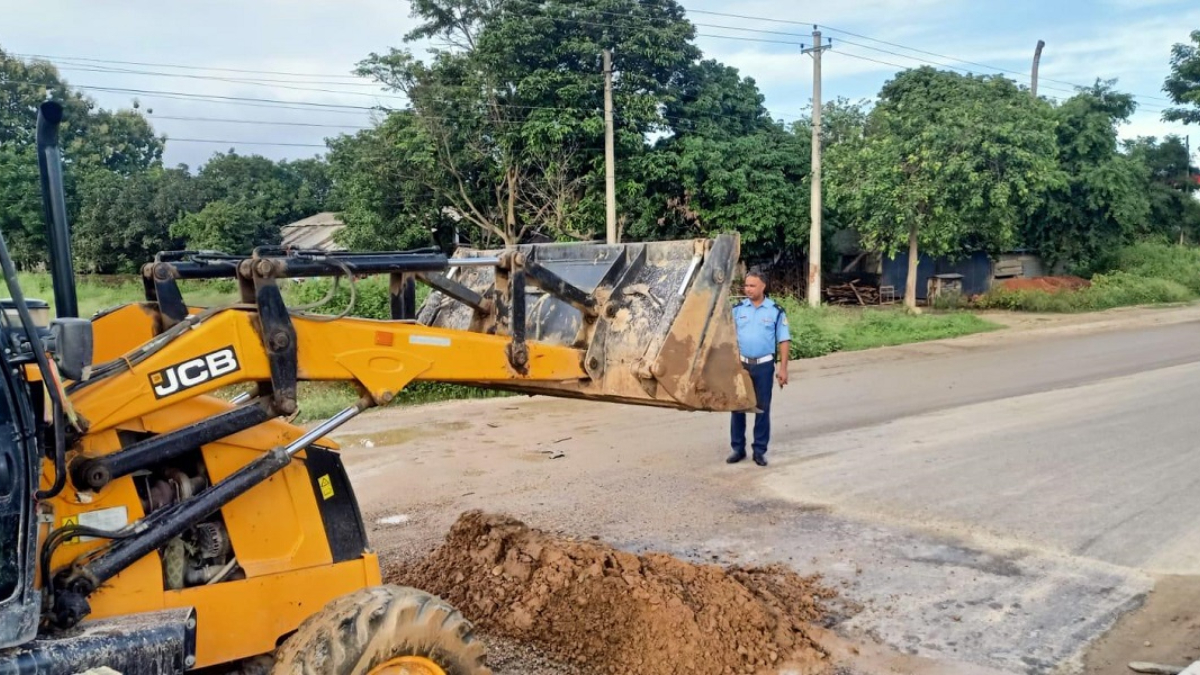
{"x":1087,"y":446}
{"x":1044,"y":484}
{"x":992,"y":504}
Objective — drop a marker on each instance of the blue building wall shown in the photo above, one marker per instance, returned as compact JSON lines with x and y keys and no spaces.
{"x":976,"y":270}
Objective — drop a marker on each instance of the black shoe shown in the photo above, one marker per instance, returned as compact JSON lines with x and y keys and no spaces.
{"x":735,"y":458}
{"x":760,"y":460}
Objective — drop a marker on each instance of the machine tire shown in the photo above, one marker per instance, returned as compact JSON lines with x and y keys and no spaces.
{"x":357,"y":632}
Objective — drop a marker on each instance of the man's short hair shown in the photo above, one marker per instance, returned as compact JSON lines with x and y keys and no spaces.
{"x":760,"y":275}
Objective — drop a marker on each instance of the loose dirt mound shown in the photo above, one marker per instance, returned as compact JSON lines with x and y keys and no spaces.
{"x":1050,"y":284}
{"x":617,"y":612}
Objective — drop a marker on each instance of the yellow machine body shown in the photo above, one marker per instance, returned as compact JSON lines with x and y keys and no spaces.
{"x":296,"y":540}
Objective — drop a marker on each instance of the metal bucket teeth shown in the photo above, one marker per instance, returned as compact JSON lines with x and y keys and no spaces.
{"x":652,"y":320}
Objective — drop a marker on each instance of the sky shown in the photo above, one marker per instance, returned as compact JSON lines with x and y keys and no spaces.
{"x":310,"y":47}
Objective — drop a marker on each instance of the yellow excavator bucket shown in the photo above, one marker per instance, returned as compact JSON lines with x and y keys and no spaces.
{"x":652,"y":320}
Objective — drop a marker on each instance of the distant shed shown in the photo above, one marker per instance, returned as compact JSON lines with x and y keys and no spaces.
{"x":314,"y":232}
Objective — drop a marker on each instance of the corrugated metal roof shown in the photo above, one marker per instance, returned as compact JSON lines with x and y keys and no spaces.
{"x":314,"y":232}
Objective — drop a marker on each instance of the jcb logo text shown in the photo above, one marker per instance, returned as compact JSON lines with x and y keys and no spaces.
{"x":197,"y":371}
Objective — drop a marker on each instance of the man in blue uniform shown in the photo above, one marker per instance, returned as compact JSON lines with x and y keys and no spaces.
{"x":762,"y":331}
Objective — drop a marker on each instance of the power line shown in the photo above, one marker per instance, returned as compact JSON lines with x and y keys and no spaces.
{"x":890,"y":44}
{"x":326,"y":91}
{"x":1146,"y":107}
{"x":745,"y":17}
{"x":182,"y":67}
{"x":335,"y":107}
{"x":980,"y":65}
{"x":299,"y":105}
{"x":256,"y":122}
{"x":219,"y":142}
{"x":91,"y":68}
{"x":942,"y":65}
{"x":865,"y":37}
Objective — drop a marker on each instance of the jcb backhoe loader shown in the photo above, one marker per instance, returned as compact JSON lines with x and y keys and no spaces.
{"x":151,"y":524}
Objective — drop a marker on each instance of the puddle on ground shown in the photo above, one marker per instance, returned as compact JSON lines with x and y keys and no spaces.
{"x":400,"y":435}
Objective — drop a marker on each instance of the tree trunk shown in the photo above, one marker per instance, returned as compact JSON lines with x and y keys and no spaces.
{"x":910,"y":286}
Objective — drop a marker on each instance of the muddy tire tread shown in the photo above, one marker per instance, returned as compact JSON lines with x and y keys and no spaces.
{"x":357,"y":632}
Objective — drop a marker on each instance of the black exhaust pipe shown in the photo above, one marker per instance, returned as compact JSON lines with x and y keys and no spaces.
{"x":54,"y":204}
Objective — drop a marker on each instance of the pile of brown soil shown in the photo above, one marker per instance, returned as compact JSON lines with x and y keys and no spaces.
{"x":1049,"y":284}
{"x":617,"y":612}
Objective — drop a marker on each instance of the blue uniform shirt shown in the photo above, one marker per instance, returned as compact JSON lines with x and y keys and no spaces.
{"x":760,"y":329}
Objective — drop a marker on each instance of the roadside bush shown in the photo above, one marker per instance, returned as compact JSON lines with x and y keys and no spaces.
{"x":1115,"y":289}
{"x":1132,"y":288}
{"x":1180,"y":264}
{"x":372,"y":296}
{"x":824,"y":330}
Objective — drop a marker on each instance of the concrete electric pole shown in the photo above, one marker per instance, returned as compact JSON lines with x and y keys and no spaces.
{"x":814,"y":235}
{"x":610,"y":181}
{"x":1037,"y":58}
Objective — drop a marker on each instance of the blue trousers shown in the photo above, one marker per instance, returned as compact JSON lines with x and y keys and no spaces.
{"x":763,"y":376}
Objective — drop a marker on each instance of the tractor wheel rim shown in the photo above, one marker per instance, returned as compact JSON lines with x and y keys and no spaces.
{"x":408,"y":665}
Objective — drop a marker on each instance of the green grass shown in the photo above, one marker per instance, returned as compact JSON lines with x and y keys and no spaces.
{"x":96,"y":292}
{"x":1141,"y":274}
{"x":824,"y":330}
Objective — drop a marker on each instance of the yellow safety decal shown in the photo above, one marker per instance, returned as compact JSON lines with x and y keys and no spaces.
{"x":326,"y":486}
{"x":71,"y":520}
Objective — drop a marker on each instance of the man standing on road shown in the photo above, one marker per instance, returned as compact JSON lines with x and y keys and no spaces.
{"x":762,"y":331}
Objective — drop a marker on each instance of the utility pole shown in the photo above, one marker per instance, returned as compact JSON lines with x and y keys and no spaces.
{"x":610,"y":180}
{"x":814,"y":234}
{"x":1037,"y":58}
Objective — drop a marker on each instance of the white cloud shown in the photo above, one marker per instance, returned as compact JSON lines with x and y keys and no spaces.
{"x":327,"y":37}
{"x":1137,"y":5}
{"x":1151,"y":124}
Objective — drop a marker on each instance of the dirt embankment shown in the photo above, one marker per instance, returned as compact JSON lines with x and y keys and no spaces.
{"x":616,"y":612}
{"x":1048,"y":284}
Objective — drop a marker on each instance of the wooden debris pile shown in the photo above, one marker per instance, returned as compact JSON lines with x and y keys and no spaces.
{"x":852,"y":293}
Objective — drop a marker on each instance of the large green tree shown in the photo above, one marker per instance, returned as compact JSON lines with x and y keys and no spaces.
{"x":725,"y":165}
{"x":381,"y":187}
{"x":1101,"y":201}
{"x":95,"y":142}
{"x":246,"y":199}
{"x":124,"y":220}
{"x":1174,"y":211}
{"x":508,"y":127}
{"x":1183,"y":84}
{"x":948,"y":162}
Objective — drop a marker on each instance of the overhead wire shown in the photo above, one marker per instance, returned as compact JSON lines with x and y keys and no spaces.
{"x":744,"y":17}
{"x":351,"y":79}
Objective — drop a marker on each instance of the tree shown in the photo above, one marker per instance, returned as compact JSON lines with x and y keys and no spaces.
{"x":509,"y":109}
{"x":948,"y":163}
{"x":726,"y":165}
{"x":229,"y":227}
{"x":1174,"y":212}
{"x":1183,"y":84}
{"x":701,"y":185}
{"x":1100,"y":201}
{"x":94,"y":141}
{"x":124,"y":220}
{"x":260,"y":194}
{"x":380,"y":187}
{"x":843,"y":122}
